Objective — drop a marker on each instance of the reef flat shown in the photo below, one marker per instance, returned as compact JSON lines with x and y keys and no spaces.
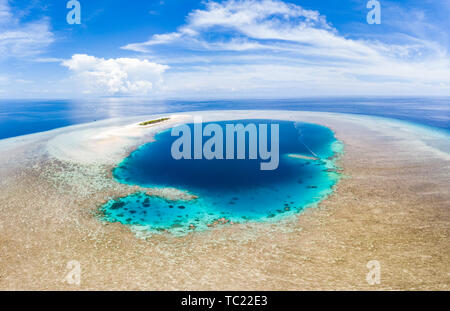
{"x":392,"y":206}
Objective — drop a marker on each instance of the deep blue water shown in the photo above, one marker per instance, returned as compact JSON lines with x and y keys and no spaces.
{"x":20,"y":117}
{"x":236,"y":190}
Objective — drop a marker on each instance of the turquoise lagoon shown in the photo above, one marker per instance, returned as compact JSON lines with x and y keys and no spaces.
{"x":236,"y":190}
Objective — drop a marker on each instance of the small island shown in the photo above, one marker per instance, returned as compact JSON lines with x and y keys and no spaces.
{"x":153,"y":121}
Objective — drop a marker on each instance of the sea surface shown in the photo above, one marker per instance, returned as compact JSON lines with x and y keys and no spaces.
{"x":228,"y":190}
{"x":20,"y":117}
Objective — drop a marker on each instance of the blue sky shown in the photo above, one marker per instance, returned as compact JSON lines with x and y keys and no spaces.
{"x":223,"y":49}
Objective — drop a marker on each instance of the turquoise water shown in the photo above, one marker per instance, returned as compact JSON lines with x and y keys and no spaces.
{"x":236,"y":190}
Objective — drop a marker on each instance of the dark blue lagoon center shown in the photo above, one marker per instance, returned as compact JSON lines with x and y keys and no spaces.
{"x":229,"y":191}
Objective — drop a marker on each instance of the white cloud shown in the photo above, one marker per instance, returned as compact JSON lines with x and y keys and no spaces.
{"x":265,"y":19}
{"x":115,"y":76}
{"x":157,"y":39}
{"x":270,"y":44}
{"x":48,"y":60}
{"x":5,"y":12}
{"x":19,"y":39}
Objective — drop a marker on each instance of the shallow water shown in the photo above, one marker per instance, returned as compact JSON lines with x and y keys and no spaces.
{"x":229,"y":190}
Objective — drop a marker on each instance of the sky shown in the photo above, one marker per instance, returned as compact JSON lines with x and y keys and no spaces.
{"x":223,"y":49}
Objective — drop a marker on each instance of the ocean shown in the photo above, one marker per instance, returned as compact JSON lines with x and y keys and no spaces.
{"x":21,"y":117}
{"x":230,"y":191}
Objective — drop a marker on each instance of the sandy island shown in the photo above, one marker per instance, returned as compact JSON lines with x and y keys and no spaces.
{"x":392,"y":206}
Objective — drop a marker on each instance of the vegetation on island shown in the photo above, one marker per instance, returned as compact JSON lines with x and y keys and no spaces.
{"x":153,"y":121}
